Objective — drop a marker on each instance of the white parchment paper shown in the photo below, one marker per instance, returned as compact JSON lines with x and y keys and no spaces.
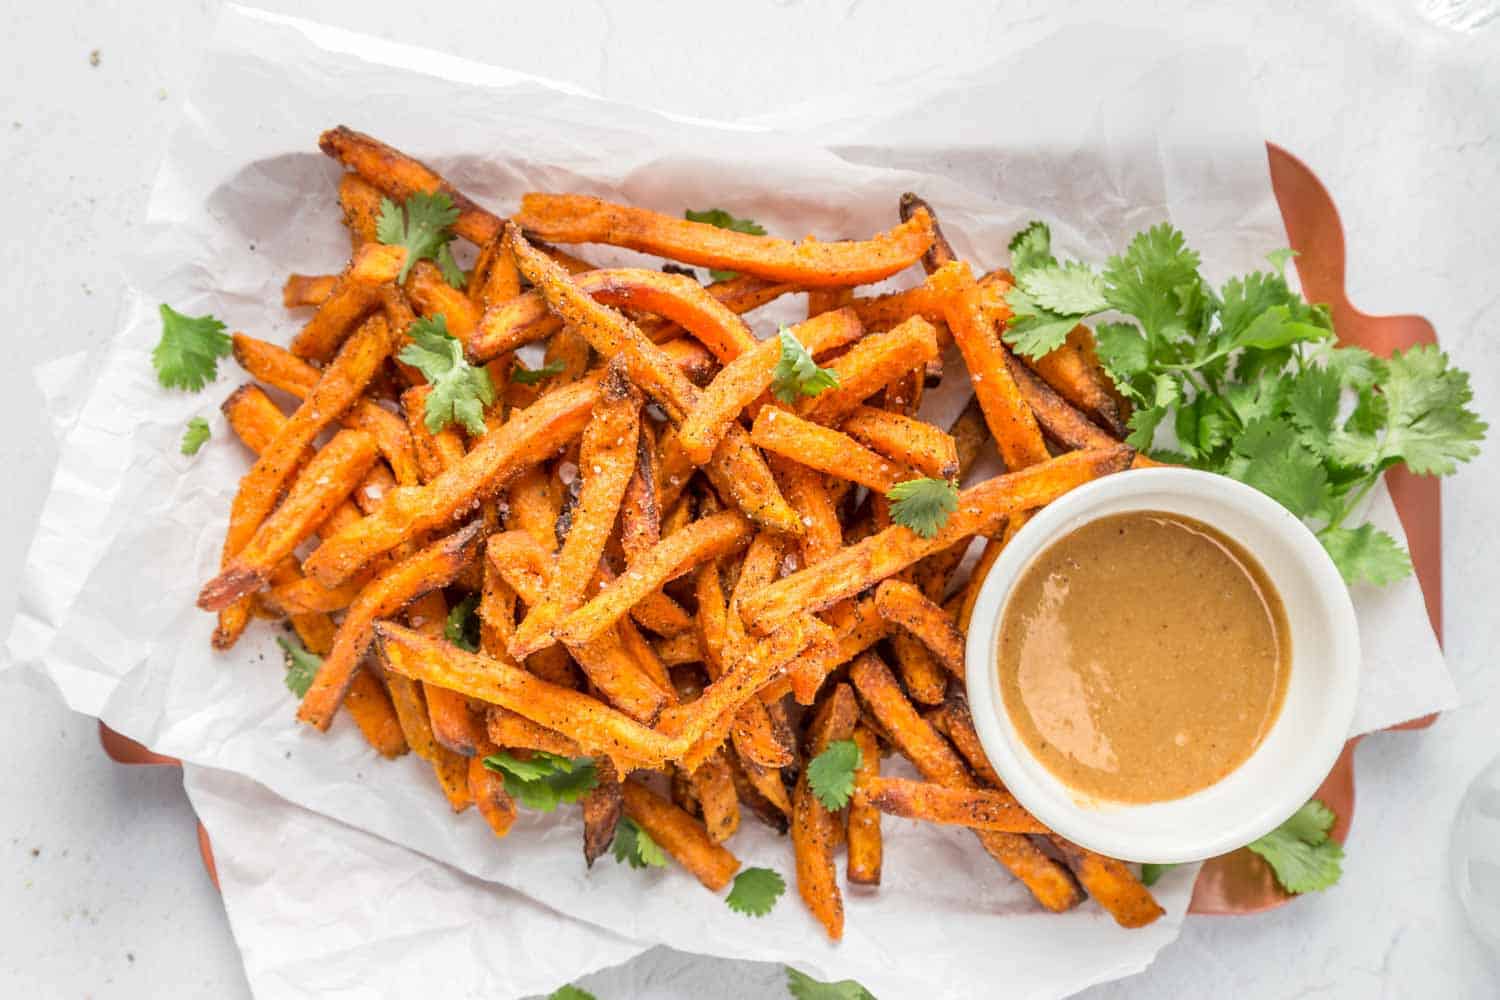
{"x":131,"y":527}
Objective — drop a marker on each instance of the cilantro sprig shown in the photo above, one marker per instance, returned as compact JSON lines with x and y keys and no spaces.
{"x":301,"y":665}
{"x":462,"y":624}
{"x":187,"y":355}
{"x":723,"y":220}
{"x":635,"y":847}
{"x":923,"y":505}
{"x":195,"y":436}
{"x":543,"y":780}
{"x":830,"y":774}
{"x":1300,"y":852}
{"x":422,"y":225}
{"x":755,"y":892}
{"x":796,"y":373}
{"x":805,"y":987}
{"x":1247,"y":378}
{"x":460,"y":391}
{"x":531,"y":376}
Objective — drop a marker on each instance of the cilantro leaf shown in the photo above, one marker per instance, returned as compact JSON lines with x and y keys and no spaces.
{"x":1032,"y":330}
{"x":1072,"y":289}
{"x":797,"y":374}
{"x":1156,"y":280}
{"x":1313,"y":405}
{"x":543,"y":780}
{"x":1031,"y":248}
{"x":531,"y":376}
{"x":1428,"y":424}
{"x":1300,"y":852}
{"x":196,"y":434}
{"x":804,"y":987}
{"x":460,"y":391}
{"x":571,"y":992}
{"x":1152,"y":873}
{"x":830,"y":774}
{"x":301,"y":665}
{"x":421,"y":225}
{"x":923,"y":505}
{"x":755,"y":892}
{"x":1122,"y":352}
{"x":187,"y":355}
{"x":635,"y":847}
{"x":462,"y":625}
{"x":1271,"y":457}
{"x":1366,"y":554}
{"x":723,"y":220}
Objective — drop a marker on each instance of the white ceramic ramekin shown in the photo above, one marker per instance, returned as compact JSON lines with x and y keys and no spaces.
{"x":1301,"y":747}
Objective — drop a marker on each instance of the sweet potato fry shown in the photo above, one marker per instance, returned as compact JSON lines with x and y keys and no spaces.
{"x":773,"y":812}
{"x":1074,"y":373}
{"x":954,"y":721}
{"x":400,"y":176}
{"x":324,"y":483}
{"x":430,"y":295}
{"x":606,"y":462}
{"x":516,"y":732}
{"x":307,"y":289}
{"x":904,"y":605}
{"x":919,"y":669}
{"x":736,"y":467}
{"x":1010,"y":419}
{"x":1057,"y":417}
{"x":756,"y":739}
{"x":594,"y":726}
{"x":360,"y":202}
{"x":904,"y":440}
{"x":454,"y":726}
{"x":371,"y":709}
{"x":434,"y":566}
{"x":940,"y":252}
{"x":1112,"y":884}
{"x":813,"y":826}
{"x":356,"y":292}
{"x":452,"y":771}
{"x":871,"y":364}
{"x":865,"y":844}
{"x":808,"y":493}
{"x":970,"y":593}
{"x":640,"y":509}
{"x":977,"y":808}
{"x":981,"y":510}
{"x":680,"y":835}
{"x":680,"y":649}
{"x":494,"y":803}
{"x":823,"y":448}
{"x":601,"y":811}
{"x":581,"y":219}
{"x":883,"y":312}
{"x":495,"y":277}
{"x":747,"y":377}
{"x":702,"y":540}
{"x":526,"y":439}
{"x":338,"y":387}
{"x":713,"y":787}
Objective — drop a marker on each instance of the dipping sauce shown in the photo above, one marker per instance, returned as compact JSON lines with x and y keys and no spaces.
{"x":1143,"y":657}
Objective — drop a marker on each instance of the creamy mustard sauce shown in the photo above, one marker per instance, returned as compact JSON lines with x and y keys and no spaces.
{"x":1143,"y":657}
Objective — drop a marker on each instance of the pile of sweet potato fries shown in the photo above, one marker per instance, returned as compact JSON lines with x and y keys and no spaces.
{"x":676,"y":572}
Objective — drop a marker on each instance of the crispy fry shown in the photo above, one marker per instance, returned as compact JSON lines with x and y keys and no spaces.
{"x":430,"y":295}
{"x":737,"y":468}
{"x":1112,"y":884}
{"x":594,"y":726}
{"x":904,"y":440}
{"x":337,"y":388}
{"x":452,"y":772}
{"x":954,"y":721}
{"x":883,"y":312}
{"x":1010,"y":419}
{"x":640,"y":511}
{"x":679,"y":835}
{"x":1057,"y":417}
{"x":680,"y":649}
{"x":713,"y":787}
{"x":326,"y":481}
{"x":773,"y":812}
{"x":969,"y":433}
{"x":865,"y":844}
{"x":824,"y":449}
{"x":702,"y":540}
{"x":434,"y":566}
{"x":970,"y":593}
{"x":371,"y":709}
{"x":903,"y":604}
{"x":940,"y":252}
{"x":977,"y":808}
{"x":487,"y":789}
{"x":516,"y":732}
{"x":307,"y":289}
{"x":495,"y":277}
{"x":808,"y":493}
{"x":400,"y":176}
{"x":981,"y":510}
{"x":454,"y":726}
{"x":411,"y":713}
{"x":869,"y":365}
{"x":747,"y":377}
{"x":919,"y":669}
{"x":813,"y":826}
{"x":1073,"y":371}
{"x":356,"y":292}
{"x":581,"y":219}
{"x":360,"y":202}
{"x":601,"y":811}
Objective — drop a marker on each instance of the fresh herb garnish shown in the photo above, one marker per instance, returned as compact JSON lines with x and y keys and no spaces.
{"x":301,"y":665}
{"x":462,"y":625}
{"x":531,"y":376}
{"x":722,"y":219}
{"x":187,"y":356}
{"x":755,"y":892}
{"x":1152,"y":873}
{"x":830,"y":774}
{"x":923,"y":505}
{"x":805,"y":987}
{"x":1250,"y":382}
{"x":797,"y":374}
{"x":196,"y":434}
{"x":544,"y":780}
{"x":1300,"y":852}
{"x":633,"y":846}
{"x":460,"y":391}
{"x":571,"y":992}
{"x":421,"y":225}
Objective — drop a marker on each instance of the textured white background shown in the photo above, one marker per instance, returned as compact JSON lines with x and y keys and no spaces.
{"x":101,"y":893}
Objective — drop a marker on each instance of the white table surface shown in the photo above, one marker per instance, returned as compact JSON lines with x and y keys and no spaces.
{"x":102,"y":893}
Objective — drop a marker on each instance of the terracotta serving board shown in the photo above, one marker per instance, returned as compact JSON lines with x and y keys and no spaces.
{"x":1239,"y":882}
